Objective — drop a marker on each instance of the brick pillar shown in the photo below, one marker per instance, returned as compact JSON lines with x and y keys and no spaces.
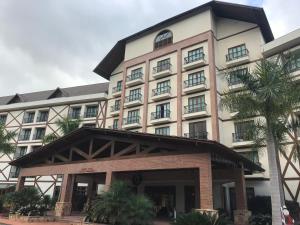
{"x":241,"y":215}
{"x":108,"y":180}
{"x":20,"y":184}
{"x":64,"y":206}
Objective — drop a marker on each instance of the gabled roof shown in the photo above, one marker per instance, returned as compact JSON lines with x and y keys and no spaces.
{"x":15,"y":99}
{"x":201,"y":146}
{"x":62,"y":92}
{"x":57,"y":93}
{"x":244,"y":13}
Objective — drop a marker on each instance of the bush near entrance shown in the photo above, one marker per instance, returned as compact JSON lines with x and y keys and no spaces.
{"x":27,"y":202}
{"x":119,"y":206}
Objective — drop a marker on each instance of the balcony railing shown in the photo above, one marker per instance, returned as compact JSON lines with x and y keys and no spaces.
{"x":161,"y":68}
{"x":237,"y":55}
{"x":162,"y":90}
{"x":194,"y":82}
{"x":234,"y":80}
{"x":74,"y":115}
{"x":115,"y":108}
{"x":24,"y":137}
{"x":131,"y":120}
{"x":194,"y":57}
{"x":240,"y":137}
{"x":195,"y":108}
{"x":134,"y":76}
{"x":160,"y":114}
{"x":28,"y":119}
{"x":116,"y":89}
{"x":197,"y":135}
{"x":134,"y":97}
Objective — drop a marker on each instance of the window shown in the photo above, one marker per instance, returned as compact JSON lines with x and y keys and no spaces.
{"x":236,"y":52}
{"x":162,"y":66}
{"x":90,"y":125}
{"x":115,"y":124}
{"x":91,"y":111}
{"x":24,"y":134}
{"x":35,"y":148}
{"x":234,"y":76}
{"x":42,"y":116}
{"x":134,"y":94}
{"x":118,"y":88}
{"x":135,"y":74}
{"x":162,"y":88}
{"x":162,"y":130}
{"x":162,"y":111}
{"x":194,"y":55}
{"x":196,"y":104}
{"x":164,"y":38}
{"x":75,"y":112}
{"x":117,"y":104}
{"x":39,"y":133}
{"x":197,"y":130}
{"x":242,"y":132}
{"x":28,"y":117}
{"x":295,"y":64}
{"x":133,"y":117}
{"x":14,"y":172}
{"x":20,"y":151}
{"x":3,"y":118}
{"x":194,"y":79}
{"x":252,"y":155}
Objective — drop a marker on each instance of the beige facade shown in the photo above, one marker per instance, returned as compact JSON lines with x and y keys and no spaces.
{"x":37,"y":114}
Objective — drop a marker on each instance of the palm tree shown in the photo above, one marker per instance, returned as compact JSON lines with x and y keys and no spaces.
{"x":5,"y":138}
{"x":65,"y":126}
{"x":269,"y":94}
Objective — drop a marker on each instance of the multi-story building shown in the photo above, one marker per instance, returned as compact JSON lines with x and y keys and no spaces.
{"x":169,"y":78}
{"x":34,"y":115}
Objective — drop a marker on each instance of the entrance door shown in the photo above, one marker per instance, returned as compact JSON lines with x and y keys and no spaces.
{"x":189,"y":198}
{"x":164,"y":198}
{"x":79,"y":197}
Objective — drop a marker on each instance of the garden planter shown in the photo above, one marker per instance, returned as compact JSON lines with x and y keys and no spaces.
{"x":31,"y":219}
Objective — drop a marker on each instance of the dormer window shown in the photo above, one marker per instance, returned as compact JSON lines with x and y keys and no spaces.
{"x":163,"y":39}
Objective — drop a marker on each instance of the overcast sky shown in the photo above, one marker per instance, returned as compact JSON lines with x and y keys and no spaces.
{"x":51,"y":43}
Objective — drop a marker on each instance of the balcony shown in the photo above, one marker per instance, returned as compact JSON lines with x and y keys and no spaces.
{"x":161,"y":93}
{"x":133,"y":100}
{"x":241,"y":139}
{"x":295,"y":71}
{"x":160,"y":117}
{"x":194,"y":61}
{"x":194,"y":111}
{"x":239,"y":57}
{"x":198,"y":135}
{"x":134,"y":79}
{"x":131,"y":122}
{"x":235,"y":85}
{"x":162,"y":71}
{"x":114,"y":110}
{"x":194,"y":85}
{"x":116,"y":91}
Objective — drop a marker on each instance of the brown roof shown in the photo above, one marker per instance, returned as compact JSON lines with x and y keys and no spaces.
{"x":245,"y":13}
{"x":201,"y":146}
{"x":66,"y":92}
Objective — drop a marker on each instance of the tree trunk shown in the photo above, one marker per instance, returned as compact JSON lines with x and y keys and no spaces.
{"x":276,"y":189}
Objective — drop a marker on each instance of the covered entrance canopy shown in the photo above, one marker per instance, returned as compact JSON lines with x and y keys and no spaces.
{"x":122,"y":154}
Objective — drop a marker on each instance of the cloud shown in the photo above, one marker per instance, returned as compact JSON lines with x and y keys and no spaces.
{"x":50,"y":43}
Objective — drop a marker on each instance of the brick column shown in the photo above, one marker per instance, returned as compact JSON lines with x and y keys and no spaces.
{"x":21,"y":183}
{"x":241,"y":215}
{"x":179,"y":93}
{"x":146,"y":96}
{"x":108,"y":180}
{"x":64,"y":206}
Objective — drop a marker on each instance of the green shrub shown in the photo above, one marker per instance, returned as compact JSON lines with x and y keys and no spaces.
{"x":119,"y":206}
{"x":261,"y":219}
{"x":196,"y":218}
{"x":28,"y":201}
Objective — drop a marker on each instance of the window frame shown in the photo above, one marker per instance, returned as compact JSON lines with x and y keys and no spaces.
{"x":163,"y":39}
